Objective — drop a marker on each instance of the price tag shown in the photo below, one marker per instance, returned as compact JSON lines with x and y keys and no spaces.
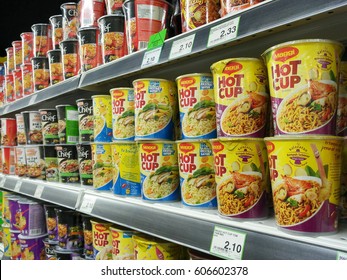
{"x":182,"y":47}
{"x":33,"y":98}
{"x":88,"y":204}
{"x":151,"y":57}
{"x":2,"y":182}
{"x":223,"y":32}
{"x":228,"y":243}
{"x":17,"y":186}
{"x":39,"y":191}
{"x":341,"y":256}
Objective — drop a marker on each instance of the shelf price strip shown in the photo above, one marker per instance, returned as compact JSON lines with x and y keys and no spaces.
{"x":341,"y":256}
{"x":151,"y":57}
{"x":2,"y":182}
{"x":223,"y":32}
{"x":88,"y":204}
{"x":17,"y":186}
{"x":182,"y":47}
{"x":38,"y":191}
{"x":227,"y":243}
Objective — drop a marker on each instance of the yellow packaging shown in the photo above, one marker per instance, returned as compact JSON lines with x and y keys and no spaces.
{"x":341,"y":116}
{"x":6,"y":213}
{"x":242,"y":177}
{"x":343,"y":202}
{"x":7,"y":240}
{"x":305,"y":179}
{"x":102,"y":114}
{"x":122,"y":243}
{"x":102,"y":240}
{"x":241,"y":96}
{"x":102,"y":166}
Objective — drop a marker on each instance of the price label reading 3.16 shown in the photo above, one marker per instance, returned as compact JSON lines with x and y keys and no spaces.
{"x":223,"y":32}
{"x":182,"y":47}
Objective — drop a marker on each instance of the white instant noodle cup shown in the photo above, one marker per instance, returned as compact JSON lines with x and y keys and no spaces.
{"x":303,"y":79}
{"x":241,"y":173}
{"x":305,"y":179}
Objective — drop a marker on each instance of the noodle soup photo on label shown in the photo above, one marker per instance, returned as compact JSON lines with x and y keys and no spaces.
{"x":341,"y":116}
{"x":102,"y":166}
{"x":102,"y":115}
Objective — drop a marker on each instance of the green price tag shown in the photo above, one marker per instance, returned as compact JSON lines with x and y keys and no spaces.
{"x":156,"y":40}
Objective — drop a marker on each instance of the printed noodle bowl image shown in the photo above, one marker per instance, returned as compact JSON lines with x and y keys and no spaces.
{"x":239,"y":192}
{"x":69,"y":166}
{"x":245,"y":115}
{"x":200,"y":120}
{"x":86,"y":167}
{"x":61,"y":126}
{"x":296,"y":199}
{"x":51,"y":128}
{"x":102,"y":175}
{"x":125,"y":125}
{"x":309,"y":108}
{"x":99,"y":124}
{"x":88,"y":52}
{"x":341,"y":117}
{"x":113,"y":41}
{"x":87,"y":122}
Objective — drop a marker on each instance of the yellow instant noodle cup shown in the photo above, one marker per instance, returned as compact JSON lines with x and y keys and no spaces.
{"x":102,"y":240}
{"x":102,"y":115}
{"x":7,"y":241}
{"x":102,"y":166}
{"x":341,"y":116}
{"x":122,"y":243}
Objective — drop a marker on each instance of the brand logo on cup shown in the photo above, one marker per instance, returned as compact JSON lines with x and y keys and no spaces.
{"x":57,"y":24}
{"x":65,"y":50}
{"x":83,"y":39}
{"x":51,"y":60}
{"x":107,"y":27}
{"x":37,"y":66}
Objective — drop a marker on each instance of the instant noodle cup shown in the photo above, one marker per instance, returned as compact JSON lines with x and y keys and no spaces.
{"x":49,"y":249}
{"x":126,"y":168}
{"x":88,"y":236}
{"x":102,"y":166}
{"x":197,"y":106}
{"x":1,"y":167}
{"x":10,"y":59}
{"x":8,"y":160}
{"x":85,"y":119}
{"x":51,"y":163}
{"x":155,"y":104}
{"x":49,"y":124}
{"x":17,"y":83}
{"x":35,"y":162}
{"x":27,"y":47}
{"x":8,"y":132}
{"x":70,"y":58}
{"x":6,"y":214}
{"x":51,"y":223}
{"x":122,"y":243}
{"x":10,"y":95}
{"x":32,"y":220}
{"x":17,"y":54}
{"x":159,"y":171}
{"x":27,"y":78}
{"x":55,"y":66}
{"x":57,"y":30}
{"x":89,"y":49}
{"x":123,"y":113}
{"x":85,"y":164}
{"x":113,"y":38}
{"x":151,"y":248}
{"x":14,"y":212}
{"x":197,"y":176}
{"x":67,"y":123}
{"x":197,"y":13}
{"x":234,"y":6}
{"x":240,"y":90}
{"x":102,"y":112}
{"x":89,"y":11}
{"x":102,"y":240}
{"x":32,"y":127}
{"x":66,"y":255}
{"x":114,"y":6}
{"x":41,"y":76}
{"x":42,"y":39}
{"x":70,"y":20}
{"x":21,"y":135}
{"x":15,"y":245}
{"x":21,"y":163}
{"x":303,"y":77}
{"x":343,"y":200}
{"x":341,"y":115}
{"x":67,"y":163}
{"x":242,"y":177}
{"x":7,"y":241}
{"x":305,"y":179}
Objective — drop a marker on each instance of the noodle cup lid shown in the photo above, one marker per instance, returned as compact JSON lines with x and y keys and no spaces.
{"x":88,"y":28}
{"x":101,"y":95}
{"x":110,"y":16}
{"x":48,"y":109}
{"x":192,"y":141}
{"x":311,"y":137}
{"x":64,"y":105}
{"x":193,"y":74}
{"x":238,"y":139}
{"x":27,"y":237}
{"x":55,"y":16}
{"x":151,"y":79}
{"x":30,"y":112}
{"x":68,"y":4}
{"x":156,"y":141}
{"x":83,"y":99}
{"x":121,"y":88}
{"x":227,"y":60}
{"x":122,"y":142}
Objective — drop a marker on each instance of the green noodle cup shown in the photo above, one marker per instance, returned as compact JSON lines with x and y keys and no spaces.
{"x":305,"y":179}
{"x":303,"y":79}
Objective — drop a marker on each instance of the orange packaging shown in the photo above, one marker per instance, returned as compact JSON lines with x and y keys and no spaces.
{"x":233,"y":6}
{"x":10,"y":59}
{"x":17,"y":54}
{"x":9,"y":88}
{"x":8,"y":160}
{"x":89,"y":11}
{"x":8,"y":132}
{"x":27,"y":46}
{"x":17,"y":83}
{"x":27,"y":78}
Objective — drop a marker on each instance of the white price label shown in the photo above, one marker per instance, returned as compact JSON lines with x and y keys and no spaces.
{"x":33,"y":99}
{"x":39,"y":191}
{"x":88,"y":204}
{"x":341,"y":256}
{"x":228,"y":243}
{"x":17,"y":186}
{"x":151,"y":57}
{"x":223,"y":32}
{"x":2,"y":182}
{"x":182,"y":47}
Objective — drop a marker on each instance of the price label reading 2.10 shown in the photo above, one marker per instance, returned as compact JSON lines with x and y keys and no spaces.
{"x":223,"y":32}
{"x":151,"y":57}
{"x":182,"y":47}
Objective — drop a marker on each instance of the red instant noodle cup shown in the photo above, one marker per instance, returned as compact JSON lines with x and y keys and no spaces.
{"x":70,"y":58}
{"x":89,"y":11}
{"x":27,"y":78}
{"x":8,"y":132}
{"x":27,"y":46}
{"x":40,"y":73}
{"x":42,"y":38}
{"x":55,"y":66}
{"x":57,"y":30}
{"x":17,"y":54}
{"x":70,"y":20}
{"x":17,"y":82}
{"x":114,"y":6}
{"x":89,"y":49}
{"x":10,"y":59}
{"x":9,"y":88}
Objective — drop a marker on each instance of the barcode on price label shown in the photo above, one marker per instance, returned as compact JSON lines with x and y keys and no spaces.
{"x":151,"y":57}
{"x":17,"y":186}
{"x":223,"y":32}
{"x":88,"y":204}
{"x":228,"y":243}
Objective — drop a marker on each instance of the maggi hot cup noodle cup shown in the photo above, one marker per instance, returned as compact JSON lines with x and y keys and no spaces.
{"x":123,"y":113}
{"x":343,"y":200}
{"x":42,"y":39}
{"x":51,"y":163}
{"x":159,"y":171}
{"x":341,"y":116}
{"x":102,"y":112}
{"x":21,"y":135}
{"x":102,"y":240}
{"x":122,"y":243}
{"x":55,"y":66}
{"x":50,"y":128}
{"x":67,"y":124}
{"x":154,"y":109}
{"x":32,"y":127}
{"x":70,"y":57}
{"x":85,"y":120}
{"x":240,"y":90}
{"x":197,"y":176}
{"x":41,"y":77}
{"x":21,"y":162}
{"x":89,"y":47}
{"x":35,"y":162}
{"x":241,"y":174}
{"x":305,"y":179}
{"x":303,"y":79}
{"x":197,"y":106}
{"x":57,"y":30}
{"x":85,"y":164}
{"x":126,"y":168}
{"x":67,"y":163}
{"x":102,"y":166}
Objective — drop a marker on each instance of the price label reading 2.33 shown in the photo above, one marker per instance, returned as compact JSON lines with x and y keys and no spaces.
{"x":223,"y":32}
{"x":228,"y":243}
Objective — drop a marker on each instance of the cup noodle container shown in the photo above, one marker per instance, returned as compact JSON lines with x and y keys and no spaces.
{"x":32,"y":127}
{"x":27,"y":78}
{"x":8,"y":132}
{"x":242,"y":177}
{"x":102,"y":166}
{"x":305,"y":179}
{"x":240,"y":90}
{"x":8,"y":160}
{"x":113,"y":39}
{"x":7,"y":241}
{"x":6,"y":214}
{"x":35,"y":161}
{"x":233,"y":7}
{"x":1,"y":166}
{"x":21,"y":136}
{"x":15,"y":221}
{"x":17,"y":53}
{"x":51,"y":163}
{"x":144,"y":18}
{"x":197,"y":106}
{"x":40,"y":67}
{"x":2,"y":89}
{"x":123,"y":113}
{"x":32,"y":218}
{"x":122,"y":243}
{"x":85,"y":120}
{"x":21,"y":162}
{"x":49,"y":249}
{"x":70,"y":20}
{"x":70,"y":58}
{"x":89,"y":48}
{"x":50,"y":126}
{"x":343,"y":200}
{"x":67,"y":123}
{"x":55,"y":66}
{"x":10,"y":59}
{"x":102,"y":240}
{"x":341,"y":116}
{"x":126,"y":168}
{"x":88,"y":236}
{"x":303,"y":77}
{"x":10,"y":95}
{"x":42,"y":39}
{"x":17,"y":83}
{"x":197,"y":13}
{"x":15,"y":245}
{"x":85,"y":164}
{"x":67,"y":163}
{"x":90,"y":11}
{"x":51,"y":223}
{"x":159,"y":171}
{"x":114,"y":7}
{"x":27,"y":46}
{"x":102,"y":112}
{"x":57,"y":30}
{"x":197,"y":175}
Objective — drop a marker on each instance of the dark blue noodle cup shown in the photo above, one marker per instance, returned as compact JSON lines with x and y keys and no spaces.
{"x":88,"y":237}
